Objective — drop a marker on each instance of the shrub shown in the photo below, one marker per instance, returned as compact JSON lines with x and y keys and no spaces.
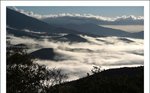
{"x":96,"y":69}
{"x":24,"y":76}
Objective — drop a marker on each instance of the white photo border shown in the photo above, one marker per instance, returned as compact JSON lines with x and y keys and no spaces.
{"x":4,"y":4}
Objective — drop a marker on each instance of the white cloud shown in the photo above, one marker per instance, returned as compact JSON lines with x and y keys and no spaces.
{"x":128,"y":28}
{"x":130,"y":17}
{"x":66,"y":18}
{"x":96,"y":17}
{"x":115,"y":53}
{"x":14,"y":8}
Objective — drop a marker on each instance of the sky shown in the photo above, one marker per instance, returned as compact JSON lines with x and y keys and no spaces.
{"x":108,"y":11}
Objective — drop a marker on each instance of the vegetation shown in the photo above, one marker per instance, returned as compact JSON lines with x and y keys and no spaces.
{"x":96,"y":69}
{"x":24,"y":76}
{"x":121,"y":80}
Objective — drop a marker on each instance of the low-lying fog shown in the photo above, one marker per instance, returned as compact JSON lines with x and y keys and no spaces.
{"x":128,"y":28}
{"x":79,"y":58}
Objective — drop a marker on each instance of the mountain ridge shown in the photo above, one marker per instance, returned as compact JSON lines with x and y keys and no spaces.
{"x":118,"y":80}
{"x":21,"y":21}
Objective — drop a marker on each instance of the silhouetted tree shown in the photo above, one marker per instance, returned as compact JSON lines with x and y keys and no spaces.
{"x":96,"y":69}
{"x":25,"y":76}
{"x":18,"y":56}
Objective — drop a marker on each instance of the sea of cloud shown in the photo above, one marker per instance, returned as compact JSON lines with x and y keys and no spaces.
{"x":106,"y":52}
{"x":128,"y":28}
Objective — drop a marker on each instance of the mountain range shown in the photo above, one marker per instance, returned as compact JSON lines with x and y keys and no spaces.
{"x":18,"y":23}
{"x":99,"y":20}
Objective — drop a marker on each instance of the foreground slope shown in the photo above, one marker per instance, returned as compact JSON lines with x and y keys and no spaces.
{"x":122,"y":80}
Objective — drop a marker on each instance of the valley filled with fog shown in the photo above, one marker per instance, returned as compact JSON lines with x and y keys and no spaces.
{"x":78,"y":58}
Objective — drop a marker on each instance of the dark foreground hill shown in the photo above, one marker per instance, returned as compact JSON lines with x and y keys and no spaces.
{"x":122,"y":80}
